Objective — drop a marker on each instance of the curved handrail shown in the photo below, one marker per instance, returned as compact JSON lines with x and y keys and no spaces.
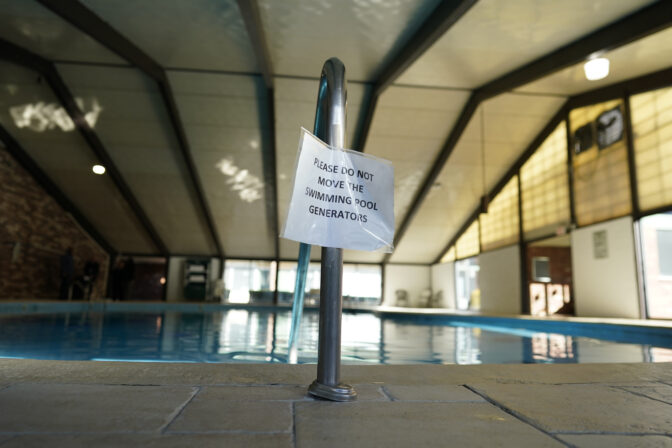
{"x":330,"y":122}
{"x":330,"y":117}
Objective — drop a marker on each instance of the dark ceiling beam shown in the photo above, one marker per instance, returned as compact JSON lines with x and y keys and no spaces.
{"x":635,"y":26}
{"x":249,"y":9}
{"x":22,"y":157}
{"x":20,"y":56}
{"x":447,"y":149}
{"x":87,"y":21}
{"x":439,"y":21}
{"x":655,"y":80}
{"x":512,"y":171}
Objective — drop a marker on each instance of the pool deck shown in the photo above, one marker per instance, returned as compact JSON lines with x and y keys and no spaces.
{"x":84,"y":403}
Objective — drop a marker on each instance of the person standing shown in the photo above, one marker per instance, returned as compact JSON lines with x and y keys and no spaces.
{"x":67,"y":274}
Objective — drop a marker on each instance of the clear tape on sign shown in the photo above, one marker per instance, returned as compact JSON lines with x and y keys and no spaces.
{"x":340,"y":198}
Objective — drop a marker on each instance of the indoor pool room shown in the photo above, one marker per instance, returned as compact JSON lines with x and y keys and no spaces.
{"x":335,"y":223}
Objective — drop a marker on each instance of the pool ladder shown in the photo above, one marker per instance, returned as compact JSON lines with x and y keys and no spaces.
{"x":330,"y":121}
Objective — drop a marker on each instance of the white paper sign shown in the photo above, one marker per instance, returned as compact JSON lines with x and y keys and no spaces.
{"x":340,"y":198}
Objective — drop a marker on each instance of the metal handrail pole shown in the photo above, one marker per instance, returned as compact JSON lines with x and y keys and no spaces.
{"x":330,"y":120}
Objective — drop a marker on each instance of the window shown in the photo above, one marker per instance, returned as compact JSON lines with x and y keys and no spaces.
{"x":248,"y":281}
{"x":468,"y":294}
{"x":656,"y":241}
{"x":544,"y":186}
{"x":601,"y":178}
{"x":361,"y":283}
{"x":287,"y":281}
{"x":449,"y":255}
{"x":664,"y":237}
{"x":468,"y":243}
{"x":499,"y":227}
{"x":652,"y":140}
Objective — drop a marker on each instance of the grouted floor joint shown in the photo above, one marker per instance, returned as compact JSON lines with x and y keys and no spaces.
{"x":516,"y":415}
{"x":180,"y":409}
{"x":639,"y":394}
{"x":293,"y":405}
{"x":387,"y":393}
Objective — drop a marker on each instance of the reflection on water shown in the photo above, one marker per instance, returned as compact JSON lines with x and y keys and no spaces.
{"x":41,"y":116}
{"x":239,"y":335}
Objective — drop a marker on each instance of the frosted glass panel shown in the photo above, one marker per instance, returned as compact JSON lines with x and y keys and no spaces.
{"x":468,"y":244}
{"x":544,"y":186}
{"x":499,"y":227}
{"x":601,"y":182}
{"x":652,"y":131}
{"x":449,"y":255}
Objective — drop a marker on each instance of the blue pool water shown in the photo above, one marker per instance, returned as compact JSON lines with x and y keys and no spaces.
{"x":249,"y":335}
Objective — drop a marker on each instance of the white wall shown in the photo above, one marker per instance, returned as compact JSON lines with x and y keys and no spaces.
{"x":175,"y":281}
{"x":443,"y":279}
{"x":412,"y":278}
{"x":499,"y":280}
{"x":606,"y":287}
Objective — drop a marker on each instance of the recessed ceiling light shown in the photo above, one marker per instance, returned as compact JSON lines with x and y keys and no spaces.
{"x":98,"y":169}
{"x":596,"y":68}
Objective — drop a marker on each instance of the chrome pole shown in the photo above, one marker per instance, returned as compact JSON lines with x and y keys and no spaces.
{"x":330,"y":128}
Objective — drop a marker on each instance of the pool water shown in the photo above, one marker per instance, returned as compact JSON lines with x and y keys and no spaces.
{"x":244,"y":335}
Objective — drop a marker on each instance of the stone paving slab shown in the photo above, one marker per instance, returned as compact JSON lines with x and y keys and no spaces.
{"x":89,"y":408}
{"x":152,"y":441}
{"x":55,"y":403}
{"x":448,"y":393}
{"x":209,"y":411}
{"x":657,"y":391}
{"x":582,"y":407}
{"x":617,"y":441}
{"x":403,"y":424}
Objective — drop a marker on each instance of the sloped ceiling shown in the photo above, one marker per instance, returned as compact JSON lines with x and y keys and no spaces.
{"x":213,"y":176}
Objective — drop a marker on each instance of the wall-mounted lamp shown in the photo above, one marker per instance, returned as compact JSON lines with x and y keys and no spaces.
{"x":596,"y":68}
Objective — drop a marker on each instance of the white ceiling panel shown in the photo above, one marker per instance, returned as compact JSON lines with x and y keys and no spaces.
{"x":639,"y":58}
{"x":35,"y":28}
{"x":197,"y":34}
{"x":497,"y":36}
{"x":31,"y":114}
{"x":133,"y":125}
{"x":409,"y":127}
{"x":295,"y":102}
{"x":364,"y":34}
{"x":225,"y":118}
{"x":511,"y":121}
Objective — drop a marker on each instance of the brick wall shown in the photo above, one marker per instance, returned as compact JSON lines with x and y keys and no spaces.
{"x":34,"y":232}
{"x":560,"y":259}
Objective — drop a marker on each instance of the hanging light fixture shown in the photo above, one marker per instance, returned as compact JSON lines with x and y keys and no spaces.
{"x":596,"y":68}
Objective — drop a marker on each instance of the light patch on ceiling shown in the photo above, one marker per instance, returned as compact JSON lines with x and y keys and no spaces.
{"x":249,"y":187}
{"x":41,"y":116}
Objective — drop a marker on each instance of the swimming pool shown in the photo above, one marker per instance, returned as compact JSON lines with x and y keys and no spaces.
{"x":260,"y":335}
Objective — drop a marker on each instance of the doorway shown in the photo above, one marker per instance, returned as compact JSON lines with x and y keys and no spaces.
{"x":549,"y":276}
